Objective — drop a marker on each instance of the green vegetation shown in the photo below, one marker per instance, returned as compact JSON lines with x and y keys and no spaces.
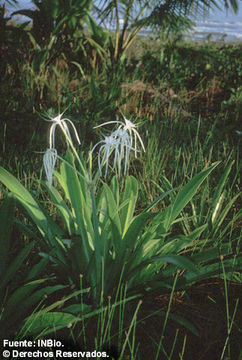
{"x":129,"y":252}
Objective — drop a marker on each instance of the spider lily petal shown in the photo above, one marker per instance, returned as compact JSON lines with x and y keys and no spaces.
{"x":109,"y":122}
{"x":49,"y":161}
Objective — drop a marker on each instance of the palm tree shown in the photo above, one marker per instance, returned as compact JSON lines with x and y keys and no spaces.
{"x":128,"y":18}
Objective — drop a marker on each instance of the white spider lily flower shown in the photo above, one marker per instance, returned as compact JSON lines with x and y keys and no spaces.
{"x":49,"y":161}
{"x":62,"y":123}
{"x":118,"y":144}
{"x":131,"y":128}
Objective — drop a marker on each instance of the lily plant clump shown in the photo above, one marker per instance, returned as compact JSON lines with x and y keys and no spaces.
{"x":117,"y":146}
{"x":99,"y":236}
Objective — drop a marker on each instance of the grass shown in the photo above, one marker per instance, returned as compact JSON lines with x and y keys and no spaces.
{"x":186,"y":98}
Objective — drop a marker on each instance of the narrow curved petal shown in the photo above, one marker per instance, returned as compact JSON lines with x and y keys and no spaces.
{"x":75,"y":131}
{"x":109,"y":122}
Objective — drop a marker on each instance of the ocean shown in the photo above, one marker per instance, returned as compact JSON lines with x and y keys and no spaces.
{"x":218,"y":25}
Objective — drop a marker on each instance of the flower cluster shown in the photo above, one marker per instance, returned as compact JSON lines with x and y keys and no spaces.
{"x":50,"y":155}
{"x":116,"y":146}
{"x":117,"y":143}
{"x":120,"y":142}
{"x":129,"y":127}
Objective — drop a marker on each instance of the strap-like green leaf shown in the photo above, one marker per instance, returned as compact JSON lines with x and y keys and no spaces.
{"x":45,"y":323}
{"x":27,"y":200}
{"x":185,"y":195}
{"x":218,"y":191}
{"x":131,"y":194}
{"x":26,"y":297}
{"x":63,"y":209}
{"x":12,"y":269}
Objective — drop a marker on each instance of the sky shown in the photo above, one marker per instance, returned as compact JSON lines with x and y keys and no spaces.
{"x":228,"y":16}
